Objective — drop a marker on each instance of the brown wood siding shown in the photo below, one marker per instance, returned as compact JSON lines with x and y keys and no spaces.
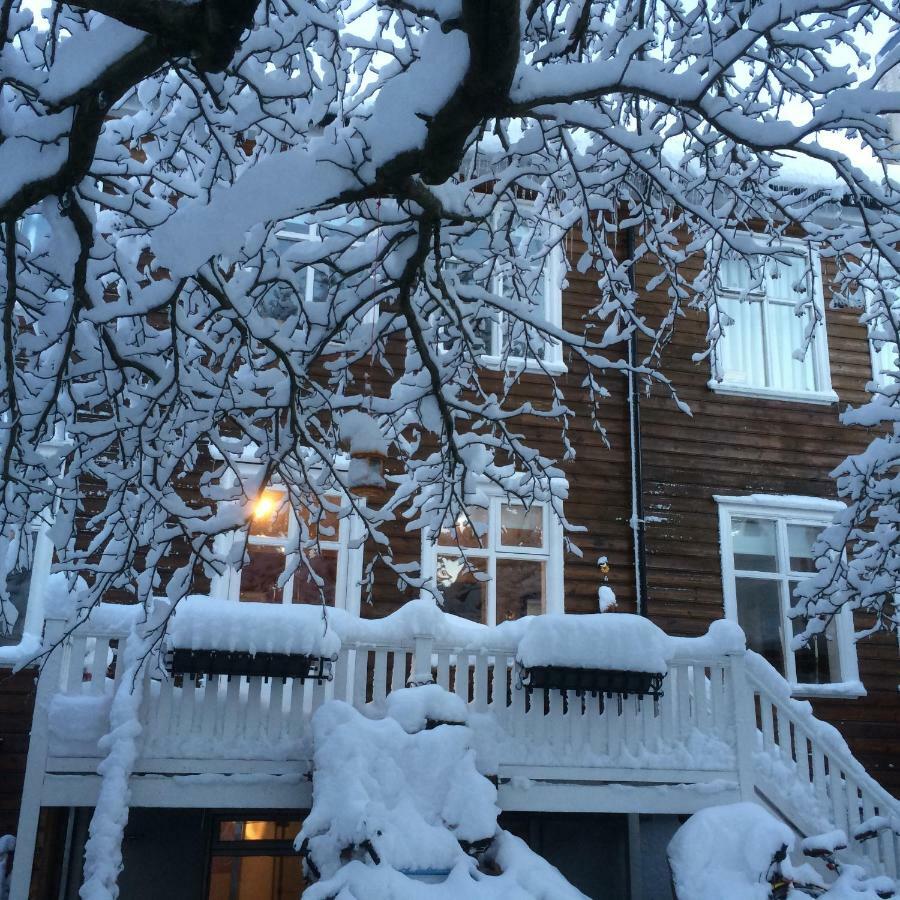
{"x":16,"y":708}
{"x":599,"y":478}
{"x":737,"y":446}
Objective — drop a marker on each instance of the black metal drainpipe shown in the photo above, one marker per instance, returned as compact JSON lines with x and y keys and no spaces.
{"x":637,"y":480}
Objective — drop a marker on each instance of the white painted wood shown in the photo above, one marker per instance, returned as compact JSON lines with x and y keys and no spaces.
{"x":612,"y":775}
{"x":611,"y":798}
{"x":379,"y":679}
{"x":76,"y":670}
{"x":36,"y":765}
{"x":398,"y":669}
{"x":98,"y":666}
{"x":280,"y":791}
{"x":481,"y":682}
{"x":443,"y":669}
{"x":275,"y":719}
{"x":745,"y":726}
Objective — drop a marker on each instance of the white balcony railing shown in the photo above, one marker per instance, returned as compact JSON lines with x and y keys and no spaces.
{"x":724,"y":719}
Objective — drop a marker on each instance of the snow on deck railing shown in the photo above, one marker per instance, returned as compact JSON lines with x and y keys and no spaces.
{"x":830,"y":788}
{"x":691,"y":727}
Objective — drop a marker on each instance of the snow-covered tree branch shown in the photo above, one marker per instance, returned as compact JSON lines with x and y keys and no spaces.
{"x":226,"y":223}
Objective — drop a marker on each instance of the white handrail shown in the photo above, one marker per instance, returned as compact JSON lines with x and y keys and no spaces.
{"x":845,"y":795}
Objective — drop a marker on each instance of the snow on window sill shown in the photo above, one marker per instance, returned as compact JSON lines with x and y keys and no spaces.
{"x":822,"y":398}
{"x":839,"y":690}
{"x":524,"y":364}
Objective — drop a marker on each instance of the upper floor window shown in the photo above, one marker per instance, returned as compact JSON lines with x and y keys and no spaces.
{"x":535,"y":273}
{"x":29,"y":554}
{"x":766,"y":545}
{"x":502,"y":561}
{"x":884,"y":348}
{"x":329,"y":572}
{"x":761,"y":351}
{"x":314,"y":282}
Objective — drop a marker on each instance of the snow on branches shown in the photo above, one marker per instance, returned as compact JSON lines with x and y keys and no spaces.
{"x":226,"y":226}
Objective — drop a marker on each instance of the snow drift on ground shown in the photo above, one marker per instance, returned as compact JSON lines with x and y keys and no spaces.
{"x":392,"y":810}
{"x":728,"y":852}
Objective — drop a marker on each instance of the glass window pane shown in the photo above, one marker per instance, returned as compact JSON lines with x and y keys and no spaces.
{"x":258,"y":830}
{"x":817,"y":663}
{"x":753,"y":541}
{"x":323,"y":524}
{"x":470,"y":530}
{"x":321,"y":284}
{"x":759,"y":614}
{"x":464,"y":594}
{"x":739,"y":275}
{"x":521,"y":588}
{"x":255,"y":878}
{"x":800,"y":543}
{"x":259,"y":577}
{"x":521,"y":527}
{"x":270,"y":514}
{"x":788,"y":277}
{"x":741,"y":348}
{"x":786,"y":337}
{"x":325,"y":564}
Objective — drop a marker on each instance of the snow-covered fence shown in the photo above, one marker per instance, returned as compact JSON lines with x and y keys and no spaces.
{"x":829,"y":789}
{"x":725,"y":716}
{"x":691,"y":727}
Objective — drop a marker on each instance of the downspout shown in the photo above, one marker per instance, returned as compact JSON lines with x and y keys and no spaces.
{"x":637,"y":479}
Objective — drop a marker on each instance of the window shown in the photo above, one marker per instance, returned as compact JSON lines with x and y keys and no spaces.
{"x":330,"y":557}
{"x":254,"y":860}
{"x":758,"y":352}
{"x":315,"y":280}
{"x":502,"y":340}
{"x":884,"y":350}
{"x":503,"y":561}
{"x":27,"y":568}
{"x":766,"y":545}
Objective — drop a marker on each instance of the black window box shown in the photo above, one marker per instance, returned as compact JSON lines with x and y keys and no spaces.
{"x":594,"y":681}
{"x":267,"y":665}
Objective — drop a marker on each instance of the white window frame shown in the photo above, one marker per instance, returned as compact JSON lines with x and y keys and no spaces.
{"x":552,"y":556}
{"x":347,"y":543}
{"x":818,"y":347}
{"x":785,"y":510}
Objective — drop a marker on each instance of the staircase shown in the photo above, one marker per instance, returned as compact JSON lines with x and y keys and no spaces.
{"x":804,"y":771}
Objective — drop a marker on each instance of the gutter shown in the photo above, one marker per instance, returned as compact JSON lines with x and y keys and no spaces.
{"x":637,"y":479}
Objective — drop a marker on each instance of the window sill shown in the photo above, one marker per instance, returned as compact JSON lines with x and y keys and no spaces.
{"x":820,"y":398}
{"x":521,"y":364}
{"x":839,"y":690}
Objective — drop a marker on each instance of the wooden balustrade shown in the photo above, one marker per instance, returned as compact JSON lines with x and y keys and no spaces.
{"x":715,"y":716}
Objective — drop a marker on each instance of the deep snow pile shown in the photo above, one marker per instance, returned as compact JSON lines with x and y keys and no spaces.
{"x":207,"y":623}
{"x":729,"y":851}
{"x":601,"y":641}
{"x":394,"y":808}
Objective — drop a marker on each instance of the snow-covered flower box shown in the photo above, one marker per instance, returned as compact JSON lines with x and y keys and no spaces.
{"x":606,"y":654}
{"x":211,"y":637}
